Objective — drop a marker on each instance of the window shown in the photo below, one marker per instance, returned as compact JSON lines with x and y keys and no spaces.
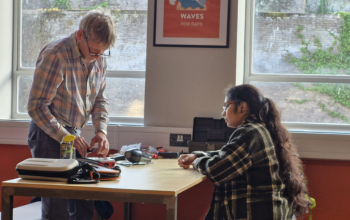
{"x":41,"y":22}
{"x":297,"y":53}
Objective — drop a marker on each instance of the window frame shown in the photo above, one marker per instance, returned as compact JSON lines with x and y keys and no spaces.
{"x":245,"y":74}
{"x":19,"y":71}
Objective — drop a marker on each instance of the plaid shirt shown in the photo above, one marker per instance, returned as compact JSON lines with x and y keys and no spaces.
{"x":245,"y":173}
{"x":65,"y":91}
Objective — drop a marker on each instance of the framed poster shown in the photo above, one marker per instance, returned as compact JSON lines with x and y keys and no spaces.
{"x":191,"y":23}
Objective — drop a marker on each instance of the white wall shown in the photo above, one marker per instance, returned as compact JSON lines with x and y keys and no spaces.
{"x":6,"y":36}
{"x":184,"y":82}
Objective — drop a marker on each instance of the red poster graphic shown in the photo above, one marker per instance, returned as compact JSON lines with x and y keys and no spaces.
{"x":191,"y":18}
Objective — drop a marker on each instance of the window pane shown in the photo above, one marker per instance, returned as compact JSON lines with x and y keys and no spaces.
{"x":126,"y":96}
{"x":301,"y":37}
{"x":46,"y":21}
{"x":309,"y":102}
{"x":24,"y":85}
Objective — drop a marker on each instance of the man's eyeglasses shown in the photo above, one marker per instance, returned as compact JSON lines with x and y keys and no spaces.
{"x":226,"y":105}
{"x":96,"y":54}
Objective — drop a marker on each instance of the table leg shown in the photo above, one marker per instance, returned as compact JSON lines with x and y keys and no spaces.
{"x":98,"y":217}
{"x":127,"y":210}
{"x":6,"y":204}
{"x":171,"y":208}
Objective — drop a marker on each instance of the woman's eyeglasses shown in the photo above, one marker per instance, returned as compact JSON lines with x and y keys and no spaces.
{"x":226,"y":105}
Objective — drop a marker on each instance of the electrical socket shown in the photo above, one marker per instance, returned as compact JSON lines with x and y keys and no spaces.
{"x":179,"y":140}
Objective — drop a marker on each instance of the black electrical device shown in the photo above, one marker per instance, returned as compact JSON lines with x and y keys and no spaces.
{"x":169,"y":154}
{"x":179,"y":140}
{"x":211,"y":130}
{"x":209,"y":134}
{"x":135,"y":156}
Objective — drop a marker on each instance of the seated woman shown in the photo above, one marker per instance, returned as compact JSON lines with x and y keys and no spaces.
{"x":258,"y":174}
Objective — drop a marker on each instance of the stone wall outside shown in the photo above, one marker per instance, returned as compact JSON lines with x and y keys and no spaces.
{"x":276,"y":36}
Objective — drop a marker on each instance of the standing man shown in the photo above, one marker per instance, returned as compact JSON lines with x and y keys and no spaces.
{"x":68,"y":86}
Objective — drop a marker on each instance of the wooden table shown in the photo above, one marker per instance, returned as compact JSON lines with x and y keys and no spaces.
{"x":159,"y":183}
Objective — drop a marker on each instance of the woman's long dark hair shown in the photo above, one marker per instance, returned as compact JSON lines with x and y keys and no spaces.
{"x":290,"y":163}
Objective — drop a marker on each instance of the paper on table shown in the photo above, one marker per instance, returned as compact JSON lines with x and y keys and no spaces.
{"x":152,"y":150}
{"x":127,"y":147}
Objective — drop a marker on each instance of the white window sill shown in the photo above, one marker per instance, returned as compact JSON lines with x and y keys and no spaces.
{"x":334,"y":146}
{"x":16,"y":133}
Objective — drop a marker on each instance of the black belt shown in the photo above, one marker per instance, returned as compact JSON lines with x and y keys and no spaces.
{"x":73,"y":128}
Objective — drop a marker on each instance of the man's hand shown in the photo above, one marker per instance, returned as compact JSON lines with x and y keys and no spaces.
{"x":81,"y":146}
{"x":103,"y":144}
{"x":186,"y":160}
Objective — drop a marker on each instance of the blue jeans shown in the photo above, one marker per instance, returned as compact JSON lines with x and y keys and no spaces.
{"x":43,"y":146}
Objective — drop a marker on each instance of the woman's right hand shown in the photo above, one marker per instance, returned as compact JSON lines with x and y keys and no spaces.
{"x":186,"y":160}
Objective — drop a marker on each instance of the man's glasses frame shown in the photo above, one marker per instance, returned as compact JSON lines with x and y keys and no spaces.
{"x":96,"y":54}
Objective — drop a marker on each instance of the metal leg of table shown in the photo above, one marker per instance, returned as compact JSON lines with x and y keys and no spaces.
{"x":127,"y":210}
{"x":6,"y":204}
{"x":171,"y":208}
{"x":98,"y":217}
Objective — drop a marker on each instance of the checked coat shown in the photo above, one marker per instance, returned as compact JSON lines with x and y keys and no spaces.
{"x":245,"y":174}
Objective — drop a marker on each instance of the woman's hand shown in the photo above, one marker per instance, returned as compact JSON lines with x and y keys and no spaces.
{"x":186,"y":160}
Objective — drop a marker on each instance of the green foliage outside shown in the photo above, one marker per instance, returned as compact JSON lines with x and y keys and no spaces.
{"x":322,"y":7}
{"x":62,"y":4}
{"x":333,"y":113}
{"x":326,"y":62}
{"x":340,"y":93}
{"x":300,"y":101}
